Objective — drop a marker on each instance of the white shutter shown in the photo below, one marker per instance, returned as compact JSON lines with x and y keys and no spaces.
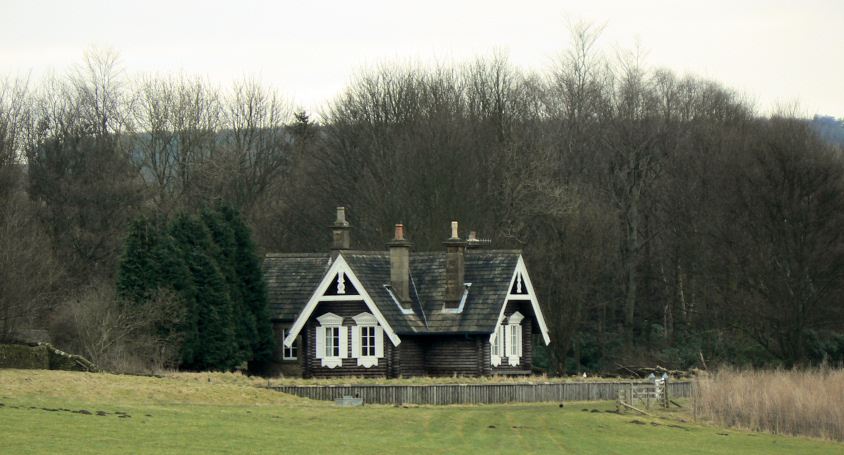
{"x":508,"y":340}
{"x":320,"y":342}
{"x":344,"y":342}
{"x":355,"y":342}
{"x":379,"y":341}
{"x":518,"y":330}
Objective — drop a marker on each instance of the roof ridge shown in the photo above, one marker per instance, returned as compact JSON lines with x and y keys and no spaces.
{"x":387,"y":252}
{"x":296,"y":255}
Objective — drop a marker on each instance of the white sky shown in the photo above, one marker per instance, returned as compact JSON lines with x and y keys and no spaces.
{"x":775,"y":51}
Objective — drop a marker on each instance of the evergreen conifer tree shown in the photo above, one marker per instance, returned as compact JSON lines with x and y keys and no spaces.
{"x":208,"y":260}
{"x":209,"y":343}
{"x":252,"y":286}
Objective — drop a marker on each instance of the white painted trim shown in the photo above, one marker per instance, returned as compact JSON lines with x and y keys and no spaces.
{"x":341,"y":284}
{"x":459,"y":308}
{"x":356,"y":342}
{"x":365,"y":319}
{"x":344,"y":342}
{"x":543,"y":327}
{"x":285,"y":349}
{"x":339,"y":265}
{"x":396,"y":301}
{"x":514,"y":340}
{"x":515,"y":354}
{"x":496,"y":342}
{"x":330,"y":319}
{"x":320,"y":342}
{"x":379,"y":343}
{"x":340,"y":298}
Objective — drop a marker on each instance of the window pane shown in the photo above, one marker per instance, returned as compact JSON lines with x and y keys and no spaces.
{"x":288,"y":353}
{"x":335,"y":343}
{"x":367,"y":341}
{"x":332,"y":341}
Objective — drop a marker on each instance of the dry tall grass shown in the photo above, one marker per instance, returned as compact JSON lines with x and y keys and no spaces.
{"x":175,"y":388}
{"x":797,"y":403}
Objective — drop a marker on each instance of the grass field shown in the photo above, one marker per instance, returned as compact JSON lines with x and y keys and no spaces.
{"x":63,"y":412}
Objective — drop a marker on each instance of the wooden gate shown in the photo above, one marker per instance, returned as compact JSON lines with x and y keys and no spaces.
{"x":643,"y":395}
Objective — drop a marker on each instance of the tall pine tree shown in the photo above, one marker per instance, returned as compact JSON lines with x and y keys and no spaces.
{"x":208,"y":260}
{"x":253,"y":289}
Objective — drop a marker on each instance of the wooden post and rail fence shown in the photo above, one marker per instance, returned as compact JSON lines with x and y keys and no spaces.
{"x":445,"y":394}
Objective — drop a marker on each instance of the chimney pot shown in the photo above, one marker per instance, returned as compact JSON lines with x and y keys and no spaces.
{"x":454,"y":230}
{"x":399,"y":232}
{"x":340,"y":233}
{"x":341,"y":216}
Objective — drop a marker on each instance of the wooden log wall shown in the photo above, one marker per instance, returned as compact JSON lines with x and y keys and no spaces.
{"x":444,"y":394}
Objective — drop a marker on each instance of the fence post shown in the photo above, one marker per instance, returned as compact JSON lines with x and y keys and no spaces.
{"x":620,"y":401}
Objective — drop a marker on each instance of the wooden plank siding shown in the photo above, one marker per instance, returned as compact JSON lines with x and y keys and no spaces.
{"x":450,"y":355}
{"x":446,"y":394}
{"x":279,"y":365}
{"x":409,"y":358}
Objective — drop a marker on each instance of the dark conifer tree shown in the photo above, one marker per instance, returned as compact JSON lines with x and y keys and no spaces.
{"x":252,"y":288}
{"x":226,"y":249}
{"x":209,"y":343}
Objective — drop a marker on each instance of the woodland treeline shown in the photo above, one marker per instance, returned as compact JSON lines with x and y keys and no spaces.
{"x":662,"y":218}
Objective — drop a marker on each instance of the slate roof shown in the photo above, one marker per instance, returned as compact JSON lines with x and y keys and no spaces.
{"x":292,"y":279}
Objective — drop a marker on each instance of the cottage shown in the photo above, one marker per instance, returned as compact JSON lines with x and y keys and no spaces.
{"x":465,"y":311}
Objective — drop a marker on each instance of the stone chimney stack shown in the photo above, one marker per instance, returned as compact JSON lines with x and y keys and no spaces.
{"x":400,"y":267}
{"x":454,"y":268}
{"x":340,"y":233}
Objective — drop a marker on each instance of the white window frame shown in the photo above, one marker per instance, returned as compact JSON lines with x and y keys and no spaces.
{"x":513,"y":336}
{"x":331,"y":324}
{"x":292,"y":352}
{"x":365,"y":322}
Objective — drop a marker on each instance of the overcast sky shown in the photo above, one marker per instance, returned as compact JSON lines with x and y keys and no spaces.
{"x":775,"y":51}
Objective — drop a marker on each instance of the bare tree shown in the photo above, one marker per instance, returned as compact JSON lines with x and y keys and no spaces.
{"x":178,"y":121}
{"x":79,"y":166}
{"x":120,"y":337}
{"x":779,"y":235}
{"x":15,"y":123}
{"x":28,"y":271}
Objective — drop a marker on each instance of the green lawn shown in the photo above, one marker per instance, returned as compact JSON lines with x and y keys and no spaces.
{"x":172,"y":416}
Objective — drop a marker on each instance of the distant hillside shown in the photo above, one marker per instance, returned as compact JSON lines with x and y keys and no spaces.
{"x":829,"y":128}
